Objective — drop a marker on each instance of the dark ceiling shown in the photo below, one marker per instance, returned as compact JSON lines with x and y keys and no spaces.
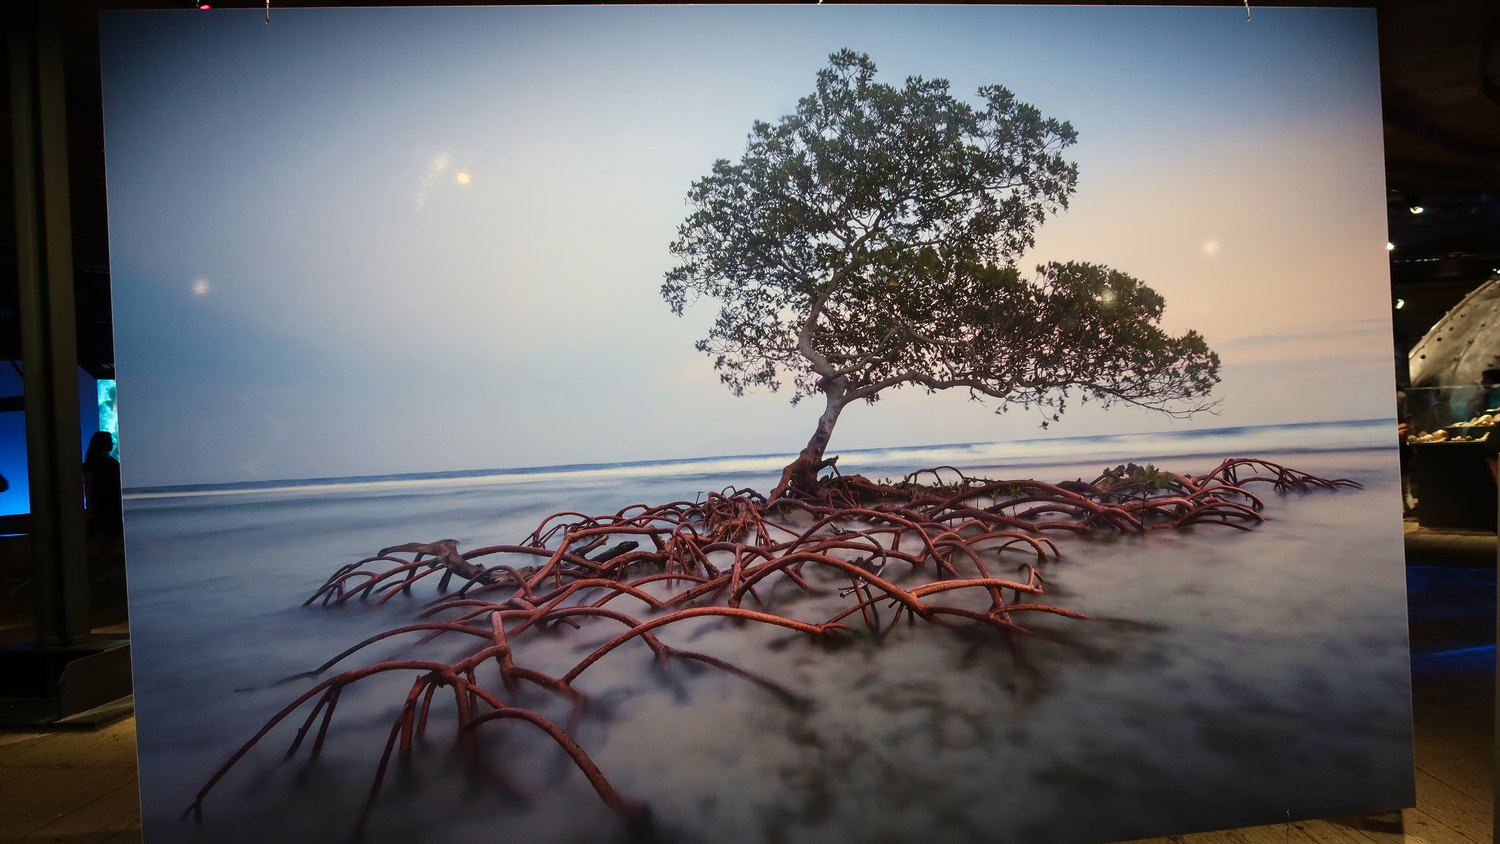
{"x":1440,"y":78}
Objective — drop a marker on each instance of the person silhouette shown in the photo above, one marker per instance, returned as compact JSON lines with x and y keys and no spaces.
{"x":102,"y":499}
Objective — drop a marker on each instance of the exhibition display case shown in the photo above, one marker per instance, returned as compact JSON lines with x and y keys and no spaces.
{"x":1454,"y":445}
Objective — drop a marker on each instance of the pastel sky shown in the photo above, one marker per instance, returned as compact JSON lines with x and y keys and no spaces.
{"x":306,"y":287}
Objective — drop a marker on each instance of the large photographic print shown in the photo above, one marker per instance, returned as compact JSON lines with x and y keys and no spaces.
{"x":756,"y":424}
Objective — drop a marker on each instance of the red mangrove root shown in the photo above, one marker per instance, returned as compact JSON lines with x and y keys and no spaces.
{"x":926,"y":547}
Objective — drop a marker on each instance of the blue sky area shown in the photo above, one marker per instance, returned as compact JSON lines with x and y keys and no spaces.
{"x":404,"y":240}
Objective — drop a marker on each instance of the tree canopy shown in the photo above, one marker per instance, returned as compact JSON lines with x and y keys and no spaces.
{"x":868,"y":241}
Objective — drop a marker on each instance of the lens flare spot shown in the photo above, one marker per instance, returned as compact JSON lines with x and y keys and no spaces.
{"x":435,"y":169}
{"x":200,"y":287}
{"x":462,"y":177}
{"x":1210,"y":247}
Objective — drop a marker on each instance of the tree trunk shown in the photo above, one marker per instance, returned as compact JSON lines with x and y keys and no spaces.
{"x":801,"y":474}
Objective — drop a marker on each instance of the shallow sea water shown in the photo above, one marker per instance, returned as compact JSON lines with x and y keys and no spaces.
{"x":1223,"y":678}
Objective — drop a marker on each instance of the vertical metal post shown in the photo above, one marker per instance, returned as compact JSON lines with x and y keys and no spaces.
{"x":44,"y":268}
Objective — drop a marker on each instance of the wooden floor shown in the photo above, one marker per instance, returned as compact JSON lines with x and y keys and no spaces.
{"x":70,"y":787}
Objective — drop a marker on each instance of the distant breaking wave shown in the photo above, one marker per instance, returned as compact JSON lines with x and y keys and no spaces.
{"x":1259,"y":440}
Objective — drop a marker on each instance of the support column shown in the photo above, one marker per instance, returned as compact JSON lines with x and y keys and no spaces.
{"x":44,"y":258}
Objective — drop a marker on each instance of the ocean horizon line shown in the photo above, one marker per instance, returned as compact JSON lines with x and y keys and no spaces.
{"x":1052,"y":448}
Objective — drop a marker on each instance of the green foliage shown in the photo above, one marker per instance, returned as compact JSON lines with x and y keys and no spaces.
{"x":1149,"y":475}
{"x":1131,"y":474}
{"x":868,"y":241}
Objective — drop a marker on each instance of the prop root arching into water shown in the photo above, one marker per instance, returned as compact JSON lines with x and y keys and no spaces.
{"x":927,"y":548}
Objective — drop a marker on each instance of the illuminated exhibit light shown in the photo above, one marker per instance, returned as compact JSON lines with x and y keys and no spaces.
{"x":462,"y":177}
{"x":96,"y":412}
{"x":109,"y":420}
{"x":1416,"y":209}
{"x":1389,"y":246}
{"x":1473,"y":649}
{"x":1400,"y":303}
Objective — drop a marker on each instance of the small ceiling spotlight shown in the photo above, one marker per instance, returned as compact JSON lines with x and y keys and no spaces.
{"x":1389,"y":246}
{"x":1416,"y":209}
{"x":1400,"y":303}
